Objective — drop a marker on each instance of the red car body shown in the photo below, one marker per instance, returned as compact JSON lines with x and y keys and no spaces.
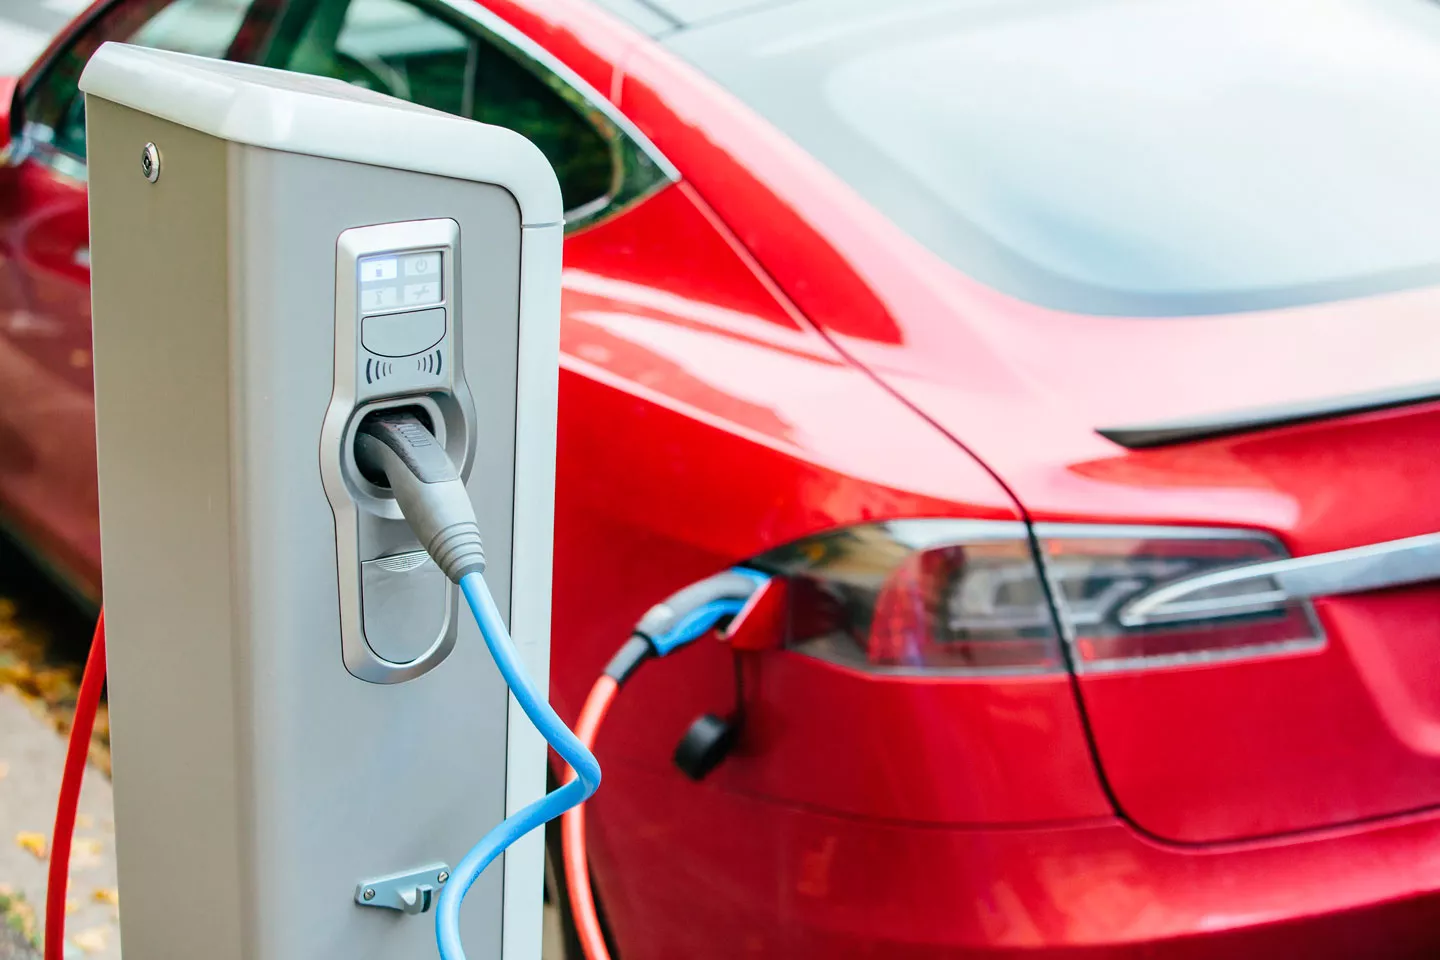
{"x":754,"y":355}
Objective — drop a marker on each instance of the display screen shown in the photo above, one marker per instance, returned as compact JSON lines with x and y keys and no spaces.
{"x":403,"y":280}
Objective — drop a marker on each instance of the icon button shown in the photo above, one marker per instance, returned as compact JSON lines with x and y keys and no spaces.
{"x":379,"y":298}
{"x":421,"y":265}
{"x":378,"y":269}
{"x":416,"y":293}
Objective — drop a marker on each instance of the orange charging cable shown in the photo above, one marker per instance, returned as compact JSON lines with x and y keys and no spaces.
{"x":76,"y":754}
{"x":740,"y":596}
{"x":572,"y":830}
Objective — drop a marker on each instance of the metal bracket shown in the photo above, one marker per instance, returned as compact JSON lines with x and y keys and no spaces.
{"x":412,"y":892}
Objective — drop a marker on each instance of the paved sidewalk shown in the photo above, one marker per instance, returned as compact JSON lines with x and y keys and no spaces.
{"x":32,"y":755}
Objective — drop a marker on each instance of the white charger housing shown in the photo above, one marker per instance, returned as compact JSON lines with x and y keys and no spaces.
{"x":296,"y":705}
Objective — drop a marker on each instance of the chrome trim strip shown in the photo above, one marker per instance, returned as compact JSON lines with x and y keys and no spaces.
{"x":1198,"y":658}
{"x":1376,"y":566}
{"x":1207,"y":426}
{"x":640,"y":168}
{"x":1139,"y":531}
{"x":35,"y":141}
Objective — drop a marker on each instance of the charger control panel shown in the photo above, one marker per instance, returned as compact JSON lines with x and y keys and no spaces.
{"x":403,"y":320}
{"x":398,"y":327}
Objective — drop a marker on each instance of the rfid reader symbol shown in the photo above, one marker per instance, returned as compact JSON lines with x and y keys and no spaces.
{"x":375,"y":369}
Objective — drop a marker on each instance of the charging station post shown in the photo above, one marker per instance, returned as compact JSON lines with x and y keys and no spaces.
{"x":306,"y":733}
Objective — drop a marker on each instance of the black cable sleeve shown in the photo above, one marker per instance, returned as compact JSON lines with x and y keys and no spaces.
{"x":628,"y":658}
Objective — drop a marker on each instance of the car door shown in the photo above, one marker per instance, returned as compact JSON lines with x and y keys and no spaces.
{"x":47,"y":470}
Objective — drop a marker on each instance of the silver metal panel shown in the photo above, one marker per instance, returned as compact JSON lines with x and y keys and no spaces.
{"x":241,"y":740}
{"x":405,"y":605}
{"x":179,"y":714}
{"x":420,"y":759}
{"x":368,"y":524}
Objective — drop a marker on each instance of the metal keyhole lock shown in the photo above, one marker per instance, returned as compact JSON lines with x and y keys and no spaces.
{"x":150,"y":162}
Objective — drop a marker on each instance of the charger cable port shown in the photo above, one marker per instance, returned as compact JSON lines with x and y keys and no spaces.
{"x":395,"y":446}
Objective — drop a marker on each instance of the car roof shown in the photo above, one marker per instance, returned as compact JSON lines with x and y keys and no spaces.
{"x":660,"y":17}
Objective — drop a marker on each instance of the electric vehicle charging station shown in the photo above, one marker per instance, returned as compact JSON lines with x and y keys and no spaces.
{"x":306,"y":732}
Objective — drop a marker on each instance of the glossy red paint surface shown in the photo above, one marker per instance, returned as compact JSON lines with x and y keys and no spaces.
{"x":754,"y":355}
{"x":1289,"y":742}
{"x":701,"y":423}
{"x":47,"y":415}
{"x":1191,"y":754}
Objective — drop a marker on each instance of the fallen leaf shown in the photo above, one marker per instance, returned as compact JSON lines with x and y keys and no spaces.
{"x":18,"y":915}
{"x":92,"y":940}
{"x":85,"y":853}
{"x":106,"y":895}
{"x":55,"y":684}
{"x":33,"y":842}
{"x":83,"y":821}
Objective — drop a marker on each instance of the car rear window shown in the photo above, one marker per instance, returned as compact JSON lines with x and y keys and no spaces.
{"x":1157,"y":158}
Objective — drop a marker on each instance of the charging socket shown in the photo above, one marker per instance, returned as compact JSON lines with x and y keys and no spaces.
{"x":372,"y":493}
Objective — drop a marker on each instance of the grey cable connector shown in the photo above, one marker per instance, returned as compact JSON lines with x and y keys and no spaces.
{"x":428,"y":488}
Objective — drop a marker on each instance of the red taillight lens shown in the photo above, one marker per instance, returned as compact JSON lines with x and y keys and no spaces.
{"x":938,"y":596}
{"x":1137,"y":597}
{"x":957,"y":597}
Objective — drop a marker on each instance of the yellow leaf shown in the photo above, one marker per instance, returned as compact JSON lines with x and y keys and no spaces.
{"x":23,"y":913}
{"x":33,"y":842}
{"x":84,"y":853}
{"x":92,"y":940}
{"x":71,"y":906}
{"x":106,"y":895}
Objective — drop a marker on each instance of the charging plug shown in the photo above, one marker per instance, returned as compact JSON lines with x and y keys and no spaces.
{"x":706,"y":743}
{"x":396,"y":445}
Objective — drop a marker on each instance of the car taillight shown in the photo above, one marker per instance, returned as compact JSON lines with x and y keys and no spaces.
{"x":955,"y":597}
{"x":1138,"y":597}
{"x":938,"y":596}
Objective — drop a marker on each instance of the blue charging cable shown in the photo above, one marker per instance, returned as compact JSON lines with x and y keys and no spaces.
{"x":553,"y":804}
{"x":395,"y":448}
{"x":687,"y":616}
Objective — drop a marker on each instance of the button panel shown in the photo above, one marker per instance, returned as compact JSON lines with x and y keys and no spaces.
{"x":397,"y":317}
{"x":403,"y":334}
{"x":404,"y":280}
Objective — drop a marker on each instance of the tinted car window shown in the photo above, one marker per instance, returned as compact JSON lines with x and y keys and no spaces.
{"x":410,"y":51}
{"x":390,"y":47}
{"x":54,"y":107}
{"x":1163,"y":158}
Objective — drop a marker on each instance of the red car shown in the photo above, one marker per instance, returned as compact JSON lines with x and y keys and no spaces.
{"x":1076,"y":361}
